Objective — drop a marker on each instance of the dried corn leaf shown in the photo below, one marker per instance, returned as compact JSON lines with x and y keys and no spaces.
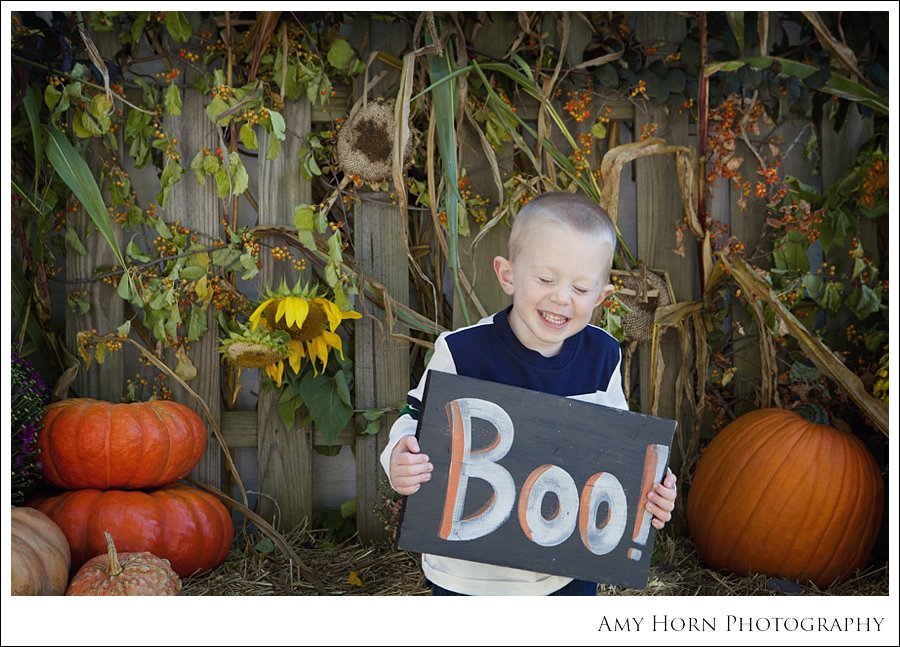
{"x":685,"y":164}
{"x":840,"y":51}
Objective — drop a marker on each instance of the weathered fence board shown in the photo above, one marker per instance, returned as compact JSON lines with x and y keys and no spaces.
{"x":103,"y":381}
{"x":285,"y":455}
{"x":382,"y":362}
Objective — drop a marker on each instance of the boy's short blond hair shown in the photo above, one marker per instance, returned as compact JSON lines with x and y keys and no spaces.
{"x":578,"y":212}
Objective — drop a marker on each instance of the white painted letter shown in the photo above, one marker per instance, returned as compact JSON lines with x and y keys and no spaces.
{"x":482,"y":464}
{"x":542,"y":531}
{"x":602,"y":487}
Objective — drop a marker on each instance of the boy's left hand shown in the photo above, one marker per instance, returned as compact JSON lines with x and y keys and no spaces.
{"x":661,"y":500}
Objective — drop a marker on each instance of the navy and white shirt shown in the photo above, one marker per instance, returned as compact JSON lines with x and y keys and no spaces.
{"x":587,"y":368}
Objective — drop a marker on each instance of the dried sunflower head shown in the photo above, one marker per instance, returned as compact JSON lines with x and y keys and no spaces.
{"x":365,"y":143}
{"x":255,"y":348}
{"x":638,"y":323}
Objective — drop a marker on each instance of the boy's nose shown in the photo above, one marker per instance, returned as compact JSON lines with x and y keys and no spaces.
{"x":560,"y":295}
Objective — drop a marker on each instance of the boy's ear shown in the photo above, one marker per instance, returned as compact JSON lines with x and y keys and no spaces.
{"x":605,"y":292}
{"x":503,"y":270}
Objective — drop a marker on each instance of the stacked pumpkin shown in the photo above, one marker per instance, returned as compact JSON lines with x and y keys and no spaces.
{"x":119,"y":465}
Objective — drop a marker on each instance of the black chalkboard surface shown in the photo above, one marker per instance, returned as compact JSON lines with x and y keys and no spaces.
{"x":535,"y":481}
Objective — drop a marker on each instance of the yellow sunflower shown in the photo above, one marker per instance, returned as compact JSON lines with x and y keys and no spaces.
{"x":311,"y":322}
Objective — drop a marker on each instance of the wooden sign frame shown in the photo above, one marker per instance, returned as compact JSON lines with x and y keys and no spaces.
{"x":535,"y":481}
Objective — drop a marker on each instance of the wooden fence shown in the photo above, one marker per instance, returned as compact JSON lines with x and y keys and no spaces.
{"x":649,"y":209}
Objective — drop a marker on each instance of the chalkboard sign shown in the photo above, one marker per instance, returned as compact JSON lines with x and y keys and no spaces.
{"x":535,"y":481}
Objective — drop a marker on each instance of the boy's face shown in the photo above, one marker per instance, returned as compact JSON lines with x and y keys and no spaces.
{"x":556,"y":281}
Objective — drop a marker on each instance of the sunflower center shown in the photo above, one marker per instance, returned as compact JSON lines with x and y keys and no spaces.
{"x":311,"y":328}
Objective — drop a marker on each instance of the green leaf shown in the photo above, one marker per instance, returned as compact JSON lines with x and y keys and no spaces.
{"x":265,"y":546}
{"x":137,"y":27}
{"x":832,"y":296}
{"x":135,"y":252}
{"x":598,"y":130}
{"x":248,"y":137}
{"x":304,"y":220}
{"x":74,"y":242}
{"x":123,"y":289}
{"x":288,"y":402}
{"x":101,"y":105}
{"x":736,"y":22}
{"x":865,"y":301}
{"x":197,"y":167}
{"x":178,"y":26}
{"x":74,"y":171}
{"x":222,"y":188}
{"x":340,"y":54}
{"x":169,"y":178}
{"x":813,"y":284}
{"x":239,"y":176}
{"x":278,"y":125}
{"x":197,"y":323}
{"x":804,"y":373}
{"x":791,"y":255}
{"x":173,"y":100}
{"x":210,"y":164}
{"x":33,"y":111}
{"x":348,"y":509}
{"x":329,"y":412}
{"x":273,"y":149}
{"x":216,"y":107}
{"x":343,"y":390}
{"x":51,"y":96}
{"x":608,"y":76}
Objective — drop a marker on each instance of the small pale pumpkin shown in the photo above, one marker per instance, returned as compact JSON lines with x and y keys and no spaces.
{"x":93,"y":444}
{"x":40,"y":554}
{"x":125,"y":574}
{"x":776,"y":494}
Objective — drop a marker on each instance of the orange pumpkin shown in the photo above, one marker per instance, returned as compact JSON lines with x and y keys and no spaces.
{"x":125,"y":574}
{"x":93,"y":444}
{"x":776,"y":494}
{"x":190,"y":528}
{"x":40,"y":554}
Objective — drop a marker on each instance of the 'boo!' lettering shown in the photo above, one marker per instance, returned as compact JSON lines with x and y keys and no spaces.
{"x":574,"y":510}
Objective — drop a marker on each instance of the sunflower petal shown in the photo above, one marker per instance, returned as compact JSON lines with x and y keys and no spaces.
{"x":254,"y":318}
{"x":297,"y":308}
{"x":350,"y":314}
{"x":334,"y":341}
{"x":275,"y":372}
{"x":331,"y":311}
{"x":279,"y":313}
{"x":295,"y":355}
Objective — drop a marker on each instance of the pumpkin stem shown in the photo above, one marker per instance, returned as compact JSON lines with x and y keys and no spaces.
{"x":812,"y":412}
{"x":113,"y":566}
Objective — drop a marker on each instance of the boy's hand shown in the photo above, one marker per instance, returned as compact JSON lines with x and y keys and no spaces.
{"x":409,"y":468}
{"x":661,"y":500}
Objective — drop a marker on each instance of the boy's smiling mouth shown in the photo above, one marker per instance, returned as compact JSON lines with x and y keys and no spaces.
{"x":553,"y":319}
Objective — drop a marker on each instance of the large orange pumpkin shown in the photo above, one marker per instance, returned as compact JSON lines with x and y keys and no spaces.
{"x":776,"y":494}
{"x":190,"y":528}
{"x":40,"y":559}
{"x":93,"y":444}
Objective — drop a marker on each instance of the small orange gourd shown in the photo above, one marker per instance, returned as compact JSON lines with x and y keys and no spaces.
{"x":125,"y":574}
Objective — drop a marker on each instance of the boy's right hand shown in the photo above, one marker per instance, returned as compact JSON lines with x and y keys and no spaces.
{"x":409,"y":468}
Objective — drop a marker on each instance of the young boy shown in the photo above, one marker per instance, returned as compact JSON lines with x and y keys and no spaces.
{"x":560,"y":255}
